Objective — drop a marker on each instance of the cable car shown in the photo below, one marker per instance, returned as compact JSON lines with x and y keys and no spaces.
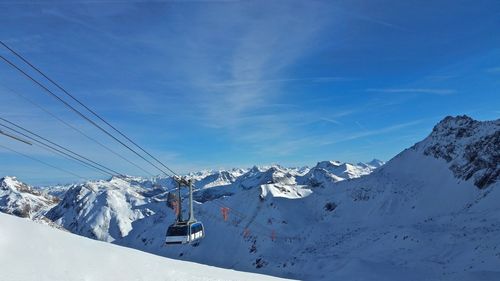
{"x":188,"y":231}
{"x":184,"y":233}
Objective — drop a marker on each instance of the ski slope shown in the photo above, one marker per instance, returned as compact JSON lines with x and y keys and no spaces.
{"x":31,"y":251}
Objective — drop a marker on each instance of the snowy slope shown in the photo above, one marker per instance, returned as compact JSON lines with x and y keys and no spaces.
{"x":30,"y":251}
{"x":415,"y":216}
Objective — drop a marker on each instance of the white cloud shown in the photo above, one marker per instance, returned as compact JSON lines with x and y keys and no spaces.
{"x":264,"y":44}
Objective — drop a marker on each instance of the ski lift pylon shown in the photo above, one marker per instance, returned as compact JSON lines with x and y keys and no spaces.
{"x":225,"y":213}
{"x":184,"y":231}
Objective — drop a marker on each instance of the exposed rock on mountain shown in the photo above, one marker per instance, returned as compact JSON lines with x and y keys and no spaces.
{"x":472,"y":148}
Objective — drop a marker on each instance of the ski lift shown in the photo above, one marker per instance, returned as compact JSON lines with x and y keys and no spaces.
{"x":185,"y":231}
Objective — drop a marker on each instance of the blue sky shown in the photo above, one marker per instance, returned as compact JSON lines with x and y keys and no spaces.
{"x":219,"y":84}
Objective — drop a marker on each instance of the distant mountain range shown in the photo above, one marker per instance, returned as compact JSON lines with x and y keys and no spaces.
{"x":430,"y":213}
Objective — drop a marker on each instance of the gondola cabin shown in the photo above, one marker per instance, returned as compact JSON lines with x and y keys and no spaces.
{"x":184,"y":233}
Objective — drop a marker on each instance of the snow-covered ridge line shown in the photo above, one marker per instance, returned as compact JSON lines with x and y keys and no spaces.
{"x":335,"y":171}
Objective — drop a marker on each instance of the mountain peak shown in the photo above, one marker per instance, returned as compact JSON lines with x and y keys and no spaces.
{"x":455,"y":124}
{"x":376,"y":163}
{"x":458,"y":118}
{"x":8,"y":179}
{"x":14,"y":184}
{"x":470,"y":147}
{"x":328,"y":164}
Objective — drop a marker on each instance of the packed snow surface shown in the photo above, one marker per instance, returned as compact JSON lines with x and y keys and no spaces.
{"x":35,"y":252}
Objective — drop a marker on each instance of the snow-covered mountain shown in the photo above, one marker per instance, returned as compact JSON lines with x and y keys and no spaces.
{"x":327,"y":172}
{"x":418,"y":217}
{"x":218,"y":178}
{"x":22,"y":200}
{"x":375,"y":163}
{"x":471,"y":148}
{"x":431,"y":212}
{"x":30,"y":251}
{"x":103,"y":210}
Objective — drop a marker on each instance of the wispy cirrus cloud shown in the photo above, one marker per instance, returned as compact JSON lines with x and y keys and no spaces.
{"x":431,"y":91}
{"x":376,"y":21}
{"x":291,"y":146}
{"x":254,"y":70}
{"x":334,"y":117}
{"x":235,"y":83}
{"x":372,"y":132}
{"x":439,"y":78}
{"x":330,"y":120}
